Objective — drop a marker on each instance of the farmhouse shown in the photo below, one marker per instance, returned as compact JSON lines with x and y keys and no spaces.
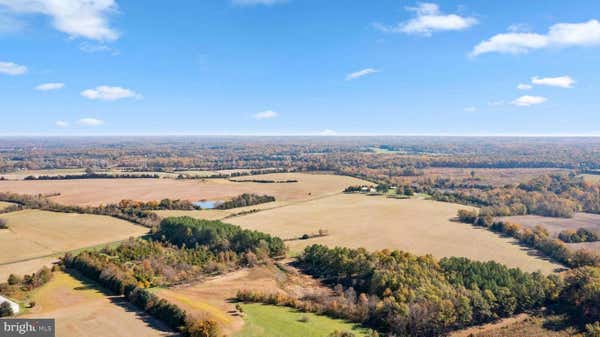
{"x":13,"y":305}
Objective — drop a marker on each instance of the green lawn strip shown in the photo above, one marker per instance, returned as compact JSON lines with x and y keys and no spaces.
{"x":275,"y":321}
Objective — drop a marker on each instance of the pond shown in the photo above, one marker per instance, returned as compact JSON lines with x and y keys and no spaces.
{"x":207,"y":204}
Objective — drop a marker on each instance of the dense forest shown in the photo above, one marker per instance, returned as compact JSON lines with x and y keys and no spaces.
{"x":185,"y":249}
{"x":401,"y":294}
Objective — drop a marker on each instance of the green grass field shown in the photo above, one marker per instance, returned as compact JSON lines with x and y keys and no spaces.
{"x":273,"y":321}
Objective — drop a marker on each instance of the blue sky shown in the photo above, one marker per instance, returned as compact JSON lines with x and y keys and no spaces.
{"x":299,"y":67}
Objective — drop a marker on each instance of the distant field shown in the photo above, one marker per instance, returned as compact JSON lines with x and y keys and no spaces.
{"x":4,"y":204}
{"x":82,"y":310}
{"x":34,"y":236}
{"x":493,"y":176}
{"x":556,"y":225}
{"x":56,"y":172}
{"x":103,"y":191}
{"x":592,"y":178}
{"x":273,"y":321}
{"x":417,"y":226}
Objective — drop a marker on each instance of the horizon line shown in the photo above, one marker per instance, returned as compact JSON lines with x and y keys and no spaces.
{"x":299,"y":134}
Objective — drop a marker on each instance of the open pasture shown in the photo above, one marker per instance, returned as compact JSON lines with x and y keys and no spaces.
{"x":413,"y":225}
{"x":33,"y":237}
{"x":103,"y":191}
{"x":81,"y":309}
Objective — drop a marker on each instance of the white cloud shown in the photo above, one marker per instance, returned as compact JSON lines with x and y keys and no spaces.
{"x":361,"y":73}
{"x":265,"y":115}
{"x":328,"y":132}
{"x":529,"y":100}
{"x":561,"y":81}
{"x":62,"y":124}
{"x":90,"y":48}
{"x":429,"y":19}
{"x":560,"y":35}
{"x":107,"y":93}
{"x":49,"y":86}
{"x":10,"y":68}
{"x":523,"y":86}
{"x":90,"y":122}
{"x":470,"y":109}
{"x":257,"y":2}
{"x":78,"y":18}
{"x":495,"y":103}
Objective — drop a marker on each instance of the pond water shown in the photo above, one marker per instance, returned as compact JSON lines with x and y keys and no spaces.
{"x":207,"y":204}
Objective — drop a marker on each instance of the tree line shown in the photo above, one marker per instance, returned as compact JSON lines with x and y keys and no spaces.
{"x":401,"y":294}
{"x":246,"y":199}
{"x":216,"y":235}
{"x":537,"y":237}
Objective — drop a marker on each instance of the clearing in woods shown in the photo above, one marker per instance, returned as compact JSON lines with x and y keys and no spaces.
{"x":214,"y":297}
{"x":34,"y":238}
{"x":273,"y":321}
{"x":374,"y":222}
{"x":90,"y":192}
{"x":81,"y":309}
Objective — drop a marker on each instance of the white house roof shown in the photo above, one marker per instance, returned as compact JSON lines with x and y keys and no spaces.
{"x":13,"y":305}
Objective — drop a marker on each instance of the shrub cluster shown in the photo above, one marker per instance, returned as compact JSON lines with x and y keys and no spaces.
{"x":580,"y":235}
{"x":246,"y":199}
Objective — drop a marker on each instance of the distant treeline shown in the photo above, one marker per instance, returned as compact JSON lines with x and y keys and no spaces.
{"x":136,"y":215}
{"x":265,"y":181}
{"x":554,"y":195}
{"x":232,"y":174}
{"x":93,"y":176}
{"x":537,"y":238}
{"x":245,"y":199}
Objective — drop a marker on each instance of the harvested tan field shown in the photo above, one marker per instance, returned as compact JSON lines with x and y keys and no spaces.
{"x":212,"y":298}
{"x":4,"y":204}
{"x":39,"y":235}
{"x":81,"y":310}
{"x":218,"y":214}
{"x":493,"y":176}
{"x":103,"y":191}
{"x":25,"y":267}
{"x":556,"y":225}
{"x":20,"y":175}
{"x":417,"y":226}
